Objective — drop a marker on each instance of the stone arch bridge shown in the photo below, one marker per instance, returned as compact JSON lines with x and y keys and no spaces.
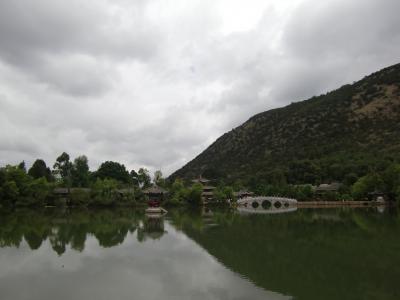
{"x":267,"y":205}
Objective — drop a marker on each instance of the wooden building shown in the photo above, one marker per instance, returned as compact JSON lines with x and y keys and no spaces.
{"x":155,"y":194}
{"x":327,"y":188}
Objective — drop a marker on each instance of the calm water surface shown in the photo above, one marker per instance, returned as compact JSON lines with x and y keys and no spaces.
{"x":122,"y":254}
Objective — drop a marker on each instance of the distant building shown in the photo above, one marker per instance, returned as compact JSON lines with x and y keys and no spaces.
{"x":325,"y":188}
{"x":66,"y":191}
{"x":243,"y":194}
{"x":378,"y":196}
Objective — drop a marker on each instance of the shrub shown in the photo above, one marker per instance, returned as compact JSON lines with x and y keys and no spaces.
{"x":79,"y":197}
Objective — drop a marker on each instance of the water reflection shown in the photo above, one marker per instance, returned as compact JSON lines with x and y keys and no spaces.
{"x":199,"y":254}
{"x":268,"y":211}
{"x":152,"y":227}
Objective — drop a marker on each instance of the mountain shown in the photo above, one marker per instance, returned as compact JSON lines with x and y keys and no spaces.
{"x":337,"y":136}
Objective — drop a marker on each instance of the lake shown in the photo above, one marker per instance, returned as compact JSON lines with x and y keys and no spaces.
{"x":200,"y":254}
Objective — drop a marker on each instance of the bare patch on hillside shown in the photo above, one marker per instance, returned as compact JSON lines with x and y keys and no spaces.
{"x":385,"y":102}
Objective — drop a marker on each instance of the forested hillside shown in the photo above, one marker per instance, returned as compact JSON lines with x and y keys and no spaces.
{"x":339,"y":136}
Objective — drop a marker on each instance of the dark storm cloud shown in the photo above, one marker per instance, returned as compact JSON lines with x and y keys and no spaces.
{"x":152,"y":83}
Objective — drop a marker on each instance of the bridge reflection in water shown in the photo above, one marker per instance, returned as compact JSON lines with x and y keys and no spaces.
{"x":266,"y":205}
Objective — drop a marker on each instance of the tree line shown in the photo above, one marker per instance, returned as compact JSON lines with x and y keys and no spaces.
{"x":113,"y":184}
{"x":35,"y":186}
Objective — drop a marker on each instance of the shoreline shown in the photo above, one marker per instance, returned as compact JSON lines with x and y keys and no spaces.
{"x":312,"y":204}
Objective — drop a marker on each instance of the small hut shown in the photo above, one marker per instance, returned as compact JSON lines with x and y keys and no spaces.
{"x":155,"y":194}
{"x":328,"y":188}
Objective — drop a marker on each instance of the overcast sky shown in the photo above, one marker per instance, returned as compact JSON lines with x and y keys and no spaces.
{"x":153,"y":82}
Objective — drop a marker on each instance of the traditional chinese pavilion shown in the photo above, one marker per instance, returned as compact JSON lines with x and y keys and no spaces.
{"x":155,"y":194}
{"x":208,"y":190}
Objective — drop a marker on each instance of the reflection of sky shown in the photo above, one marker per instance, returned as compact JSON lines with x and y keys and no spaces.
{"x":173,"y":267}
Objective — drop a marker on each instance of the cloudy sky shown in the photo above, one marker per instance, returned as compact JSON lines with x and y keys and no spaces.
{"x":153,"y":82}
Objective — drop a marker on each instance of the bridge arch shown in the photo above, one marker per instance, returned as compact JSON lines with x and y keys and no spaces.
{"x":267,"y":204}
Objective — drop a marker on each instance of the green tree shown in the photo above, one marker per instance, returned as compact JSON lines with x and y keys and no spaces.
{"x":391,"y":177}
{"x":10,"y":193}
{"x":222,"y":193}
{"x":19,"y":188}
{"x":159,"y":179}
{"x":134,"y":178}
{"x":39,"y":190}
{"x":194,"y":194}
{"x":350,"y":179}
{"x":366,"y":184}
{"x":20,"y":178}
{"x":79,"y":197}
{"x":39,"y":169}
{"x":113,"y":170}
{"x":63,"y":167}
{"x":178,"y":193}
{"x":22,"y":166}
{"x":3,"y":176}
{"x":104,"y":192}
{"x":303,"y":192}
{"x":80,"y":172}
{"x":144,"y":178}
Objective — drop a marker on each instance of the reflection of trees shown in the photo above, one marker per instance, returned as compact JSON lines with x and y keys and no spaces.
{"x":111,"y":235}
{"x":66,"y":228}
{"x":200,"y":219}
{"x":34,"y":239}
{"x":152,"y":227}
{"x":312,"y":252}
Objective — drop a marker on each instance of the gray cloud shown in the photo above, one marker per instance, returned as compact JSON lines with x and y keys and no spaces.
{"x":151,"y":84}
{"x":68,"y":45}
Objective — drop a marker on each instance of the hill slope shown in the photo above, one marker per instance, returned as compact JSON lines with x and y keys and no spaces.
{"x":344,"y":132}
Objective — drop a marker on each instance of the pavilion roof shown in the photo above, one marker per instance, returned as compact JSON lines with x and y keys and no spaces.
{"x":243,"y":192}
{"x":208,"y":187}
{"x":328,"y":187}
{"x":155,"y":189}
{"x":207,"y":193}
{"x":61,"y":191}
{"x":201,"y":180}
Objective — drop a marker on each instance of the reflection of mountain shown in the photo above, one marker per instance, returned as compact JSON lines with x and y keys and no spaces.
{"x":309,"y":255}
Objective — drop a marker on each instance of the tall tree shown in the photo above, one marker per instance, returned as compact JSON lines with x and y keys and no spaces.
{"x":158,"y":178}
{"x":22,"y":166}
{"x":113,"y":170}
{"x":63,"y":167}
{"x":39,"y":170}
{"x":134,"y":177}
{"x":144,"y":177}
{"x":80,"y":172}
